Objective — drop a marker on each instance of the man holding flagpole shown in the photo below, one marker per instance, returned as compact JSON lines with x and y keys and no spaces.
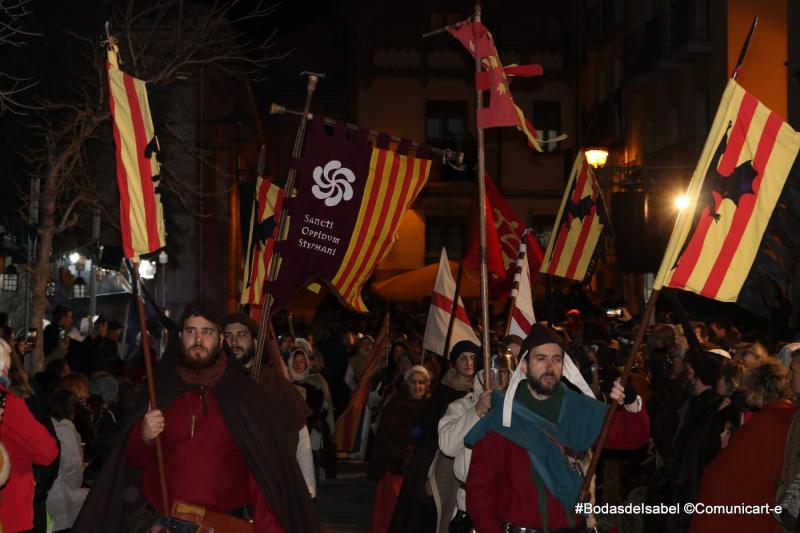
{"x":530,"y":449}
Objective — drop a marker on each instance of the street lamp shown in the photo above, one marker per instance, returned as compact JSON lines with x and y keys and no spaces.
{"x":50,"y":288}
{"x":596,"y":156}
{"x":79,"y":288}
{"x":10,"y":279}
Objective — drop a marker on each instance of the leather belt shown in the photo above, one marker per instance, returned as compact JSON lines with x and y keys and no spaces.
{"x":510,"y":528}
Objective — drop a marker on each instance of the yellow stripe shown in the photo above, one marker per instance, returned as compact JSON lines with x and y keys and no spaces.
{"x":554,"y":234}
{"x":776,"y":173}
{"x":729,"y":105}
{"x":588,"y":249}
{"x":569,"y":247}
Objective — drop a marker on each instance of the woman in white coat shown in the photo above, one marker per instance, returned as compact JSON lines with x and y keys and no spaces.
{"x":66,"y":497}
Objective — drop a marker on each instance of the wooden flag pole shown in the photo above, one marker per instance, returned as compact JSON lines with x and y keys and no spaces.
{"x":601,"y":440}
{"x":482,"y":213}
{"x":274,"y":264}
{"x":133,"y":269}
{"x":453,"y":309}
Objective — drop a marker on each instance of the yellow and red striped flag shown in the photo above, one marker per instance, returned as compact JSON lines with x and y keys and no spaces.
{"x":738,"y":240}
{"x":578,"y":236}
{"x":348,"y":424}
{"x":138,"y":171}
{"x":344,"y":220}
{"x":263,"y":229}
{"x":394,"y":182}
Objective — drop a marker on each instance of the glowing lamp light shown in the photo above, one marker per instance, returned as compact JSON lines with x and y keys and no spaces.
{"x":147,"y":269}
{"x":74,"y":257}
{"x":682,"y":202}
{"x":597,"y":157}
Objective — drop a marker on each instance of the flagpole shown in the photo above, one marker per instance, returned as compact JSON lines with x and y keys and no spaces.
{"x":313,"y":78}
{"x":453,"y":309}
{"x":482,"y":210}
{"x":133,"y":269}
{"x":522,"y":255}
{"x":601,"y":440}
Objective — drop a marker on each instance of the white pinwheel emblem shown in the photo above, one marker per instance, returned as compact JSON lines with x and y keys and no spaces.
{"x":333,"y":183}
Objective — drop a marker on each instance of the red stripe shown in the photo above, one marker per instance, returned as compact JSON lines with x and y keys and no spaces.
{"x":356,"y":253}
{"x":145,"y":175}
{"x":744,"y":212}
{"x":521,"y":321}
{"x":446,"y":304}
{"x":579,"y":250}
{"x":690,"y":256}
{"x":122,"y":183}
{"x":561,"y":241}
{"x":353,"y":285}
{"x":578,"y":192}
{"x":733,"y":150}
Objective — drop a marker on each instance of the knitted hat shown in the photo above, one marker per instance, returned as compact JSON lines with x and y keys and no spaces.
{"x":463,"y":347}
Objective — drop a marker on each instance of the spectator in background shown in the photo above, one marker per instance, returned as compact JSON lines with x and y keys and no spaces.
{"x":62,"y":318}
{"x":28,"y":443}
{"x":102,"y":403}
{"x":66,"y":497}
{"x":723,"y":334}
{"x":78,"y":384}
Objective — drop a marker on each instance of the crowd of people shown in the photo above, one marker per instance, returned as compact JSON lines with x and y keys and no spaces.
{"x":708,"y":416}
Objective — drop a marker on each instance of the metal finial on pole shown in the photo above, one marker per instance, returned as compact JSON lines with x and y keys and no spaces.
{"x":745,"y":48}
{"x":263,"y":330}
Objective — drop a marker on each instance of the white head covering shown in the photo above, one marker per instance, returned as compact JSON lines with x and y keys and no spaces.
{"x":417,"y":368}
{"x":294,"y":376}
{"x":721,"y":352}
{"x":785,"y":353}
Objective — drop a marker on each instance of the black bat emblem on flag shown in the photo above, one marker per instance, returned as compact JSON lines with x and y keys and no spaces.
{"x":581,"y":209}
{"x":731,"y":186}
{"x":264,"y":230}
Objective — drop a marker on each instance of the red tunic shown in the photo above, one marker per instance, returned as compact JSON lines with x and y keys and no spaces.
{"x":746,"y":472}
{"x":499,"y":484}
{"x":204,"y":469}
{"x":28,"y":443}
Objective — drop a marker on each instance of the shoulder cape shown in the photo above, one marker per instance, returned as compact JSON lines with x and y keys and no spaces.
{"x":265,"y":435}
{"x":579,"y":424}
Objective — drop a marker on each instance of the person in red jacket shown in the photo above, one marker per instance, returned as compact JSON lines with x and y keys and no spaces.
{"x":28,"y":443}
{"x":526,"y":450}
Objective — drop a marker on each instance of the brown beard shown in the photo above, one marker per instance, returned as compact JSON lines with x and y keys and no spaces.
{"x":540,"y":388}
{"x":191,"y":363}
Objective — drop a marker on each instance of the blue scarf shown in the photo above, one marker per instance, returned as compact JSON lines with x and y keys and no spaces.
{"x":579,"y":422}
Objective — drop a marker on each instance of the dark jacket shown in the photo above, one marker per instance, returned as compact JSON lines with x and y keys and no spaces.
{"x":415,"y":510}
{"x":394,"y":440}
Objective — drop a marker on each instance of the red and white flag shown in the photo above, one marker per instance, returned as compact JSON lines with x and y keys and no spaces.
{"x":441,"y":309}
{"x":522,"y":317}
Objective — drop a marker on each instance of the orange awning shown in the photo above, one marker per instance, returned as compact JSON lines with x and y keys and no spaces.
{"x":415,"y":285}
